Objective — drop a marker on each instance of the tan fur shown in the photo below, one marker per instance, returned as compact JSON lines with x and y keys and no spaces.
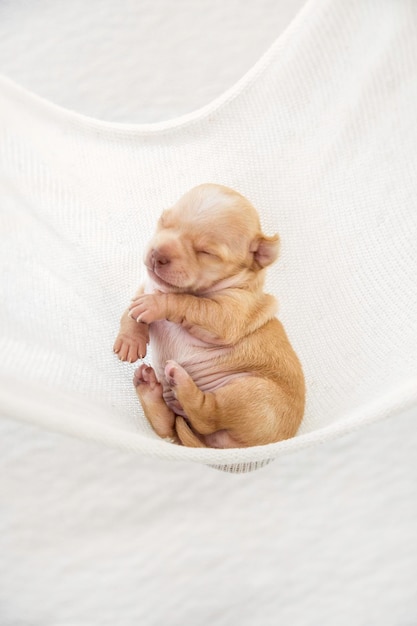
{"x":207,"y":265}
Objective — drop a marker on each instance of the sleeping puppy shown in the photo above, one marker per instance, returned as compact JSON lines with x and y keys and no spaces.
{"x":225,"y":373}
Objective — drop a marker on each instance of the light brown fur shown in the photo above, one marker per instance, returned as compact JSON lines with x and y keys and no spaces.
{"x":226,"y":374}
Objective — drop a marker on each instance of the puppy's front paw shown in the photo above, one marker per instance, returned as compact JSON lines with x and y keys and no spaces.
{"x":130,"y":347}
{"x":148,"y":308}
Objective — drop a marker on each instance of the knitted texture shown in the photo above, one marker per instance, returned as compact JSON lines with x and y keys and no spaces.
{"x":320,"y":135}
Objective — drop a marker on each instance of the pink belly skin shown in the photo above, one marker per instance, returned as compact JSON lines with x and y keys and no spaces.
{"x":198,"y":358}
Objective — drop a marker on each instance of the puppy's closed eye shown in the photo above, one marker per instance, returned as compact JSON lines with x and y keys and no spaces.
{"x":208,"y":253}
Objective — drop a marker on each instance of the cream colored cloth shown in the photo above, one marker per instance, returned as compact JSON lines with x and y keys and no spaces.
{"x":320,"y":135}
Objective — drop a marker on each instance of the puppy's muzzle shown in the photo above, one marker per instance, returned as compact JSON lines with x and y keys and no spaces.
{"x":158,"y":259}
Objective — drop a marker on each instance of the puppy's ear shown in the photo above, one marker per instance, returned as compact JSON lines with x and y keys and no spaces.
{"x":265,"y":251}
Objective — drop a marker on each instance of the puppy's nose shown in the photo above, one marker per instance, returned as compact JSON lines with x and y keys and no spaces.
{"x":159,"y":258}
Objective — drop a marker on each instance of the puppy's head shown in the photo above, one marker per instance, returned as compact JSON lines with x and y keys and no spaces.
{"x":211,"y":237}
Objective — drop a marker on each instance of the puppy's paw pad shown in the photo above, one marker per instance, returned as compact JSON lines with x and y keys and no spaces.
{"x":170,"y":376}
{"x":175,"y":374}
{"x":145,"y":376}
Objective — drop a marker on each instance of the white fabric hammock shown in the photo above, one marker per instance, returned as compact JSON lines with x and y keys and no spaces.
{"x":320,"y":135}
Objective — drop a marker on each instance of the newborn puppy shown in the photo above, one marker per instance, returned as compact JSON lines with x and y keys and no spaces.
{"x":225,"y":373}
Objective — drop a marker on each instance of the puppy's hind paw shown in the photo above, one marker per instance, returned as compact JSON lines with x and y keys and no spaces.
{"x":145,"y":377}
{"x":175,"y":374}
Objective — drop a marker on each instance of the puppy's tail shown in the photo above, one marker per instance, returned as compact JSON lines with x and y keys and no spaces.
{"x":186,"y":435}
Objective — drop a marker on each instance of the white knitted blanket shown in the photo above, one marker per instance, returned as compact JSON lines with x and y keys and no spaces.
{"x":320,"y":135}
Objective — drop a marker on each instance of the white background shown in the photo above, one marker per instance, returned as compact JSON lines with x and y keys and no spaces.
{"x":92,"y":536}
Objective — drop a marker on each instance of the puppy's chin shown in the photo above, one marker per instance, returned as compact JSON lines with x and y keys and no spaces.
{"x":185,"y":285}
{"x":175,"y":286}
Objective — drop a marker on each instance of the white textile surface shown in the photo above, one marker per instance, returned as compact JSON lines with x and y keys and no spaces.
{"x":320,"y":134}
{"x":91,"y":536}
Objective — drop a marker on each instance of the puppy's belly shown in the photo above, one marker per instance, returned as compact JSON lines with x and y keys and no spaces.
{"x":200,"y":359}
